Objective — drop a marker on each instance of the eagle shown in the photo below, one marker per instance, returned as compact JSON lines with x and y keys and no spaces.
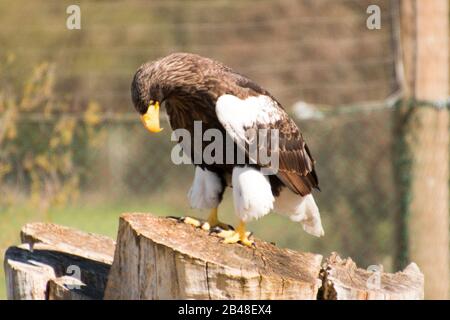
{"x":192,"y":88}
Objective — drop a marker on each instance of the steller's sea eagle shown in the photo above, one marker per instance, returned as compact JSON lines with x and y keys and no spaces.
{"x":194,"y":88}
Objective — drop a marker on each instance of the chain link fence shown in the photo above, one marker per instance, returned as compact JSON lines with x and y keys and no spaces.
{"x":104,"y":162}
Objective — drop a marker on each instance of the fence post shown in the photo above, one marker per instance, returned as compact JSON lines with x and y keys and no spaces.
{"x":421,"y":155}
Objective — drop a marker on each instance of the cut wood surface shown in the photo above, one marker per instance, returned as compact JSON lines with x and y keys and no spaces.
{"x":83,"y":244}
{"x":160,"y":258}
{"x":342,"y":280}
{"x":25,"y":280}
{"x":66,"y":288}
{"x":57,"y":258}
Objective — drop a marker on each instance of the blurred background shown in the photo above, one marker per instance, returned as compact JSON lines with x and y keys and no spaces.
{"x":73,"y":152}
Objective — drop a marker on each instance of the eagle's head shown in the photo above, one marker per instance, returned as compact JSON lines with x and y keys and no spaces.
{"x":172,"y":77}
{"x":147,"y":95}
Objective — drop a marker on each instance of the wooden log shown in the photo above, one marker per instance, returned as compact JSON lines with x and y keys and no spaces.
{"x":30,"y":270}
{"x":160,"y":258}
{"x":52,"y":252}
{"x":26,"y":280}
{"x":342,"y":280}
{"x":66,"y":288}
{"x":82,"y":244}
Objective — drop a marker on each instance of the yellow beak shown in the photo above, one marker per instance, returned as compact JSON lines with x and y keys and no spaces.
{"x":151,"y":118}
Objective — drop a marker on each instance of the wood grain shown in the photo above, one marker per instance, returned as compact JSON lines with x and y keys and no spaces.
{"x":160,"y":258}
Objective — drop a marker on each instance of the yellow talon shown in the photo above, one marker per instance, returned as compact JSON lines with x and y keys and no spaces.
{"x":233,"y":238}
{"x":206,"y":226}
{"x":240,"y":235}
{"x":212,"y":222}
{"x":193,"y":222}
{"x":247,"y":242}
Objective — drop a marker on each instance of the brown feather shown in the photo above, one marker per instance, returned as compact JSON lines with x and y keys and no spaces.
{"x":190,"y":86}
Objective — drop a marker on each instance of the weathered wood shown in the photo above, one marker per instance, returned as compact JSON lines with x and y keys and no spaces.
{"x":159,"y":258}
{"x":26,"y":280}
{"x":65,"y":288}
{"x":83,"y":244}
{"x":28,"y":268}
{"x":54,"y":251}
{"x":342,"y":280}
{"x":421,"y":153}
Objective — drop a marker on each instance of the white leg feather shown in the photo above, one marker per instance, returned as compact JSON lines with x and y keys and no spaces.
{"x":205,"y":190}
{"x":300,"y":209}
{"x":252,"y":193}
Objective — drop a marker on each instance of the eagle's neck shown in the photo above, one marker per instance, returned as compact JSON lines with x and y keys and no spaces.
{"x":183,"y":112}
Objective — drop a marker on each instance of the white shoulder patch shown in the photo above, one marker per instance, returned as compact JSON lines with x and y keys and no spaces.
{"x":252,"y":193}
{"x":237,"y":115}
{"x":300,"y":209}
{"x":205,"y":190}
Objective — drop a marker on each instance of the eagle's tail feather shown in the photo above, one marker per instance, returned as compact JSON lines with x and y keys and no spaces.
{"x":307,"y":213}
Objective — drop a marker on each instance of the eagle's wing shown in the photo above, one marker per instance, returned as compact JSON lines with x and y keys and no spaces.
{"x":296,"y":165}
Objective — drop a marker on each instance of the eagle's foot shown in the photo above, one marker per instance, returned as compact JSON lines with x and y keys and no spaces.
{"x":217,"y":227}
{"x":203,"y":224}
{"x":192,"y":221}
{"x":239,"y":236}
{"x":198,"y":223}
{"x":213,"y":222}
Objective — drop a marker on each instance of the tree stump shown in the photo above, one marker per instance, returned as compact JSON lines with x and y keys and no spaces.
{"x":160,"y":258}
{"x":57,"y":263}
{"x":79,"y":243}
{"x":26,"y":281}
{"x":64,"y":288}
{"x":342,"y":280}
